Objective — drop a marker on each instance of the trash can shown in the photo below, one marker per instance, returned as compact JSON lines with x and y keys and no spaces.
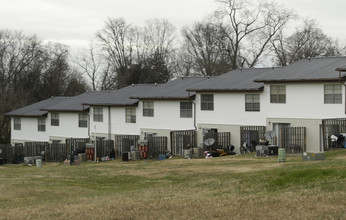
{"x":39,"y":163}
{"x":282,"y":155}
{"x":125,"y":156}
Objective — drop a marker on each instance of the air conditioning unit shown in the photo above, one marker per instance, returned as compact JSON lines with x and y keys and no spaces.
{"x":262,"y":150}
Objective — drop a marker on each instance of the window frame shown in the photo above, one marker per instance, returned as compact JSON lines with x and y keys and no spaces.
{"x":82,"y":120}
{"x":334,"y":97}
{"x":41,"y":124}
{"x":17,"y":123}
{"x":252,"y":105}
{"x":185,"y":109}
{"x":54,"y":119}
{"x":148,"y":109}
{"x":278,"y":94}
{"x":130,"y":115}
{"x":98,"y":114}
{"x":207,"y":102}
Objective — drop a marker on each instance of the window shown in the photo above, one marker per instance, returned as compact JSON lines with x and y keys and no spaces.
{"x":55,"y":119}
{"x":130,"y":115}
{"x":332,"y":94}
{"x":148,"y":108}
{"x":278,"y":94}
{"x":98,"y":114}
{"x":185,"y":110}
{"x":41,"y":124}
{"x":17,"y":123}
{"x":82,"y":120}
{"x":207,"y":102}
{"x":252,"y":102}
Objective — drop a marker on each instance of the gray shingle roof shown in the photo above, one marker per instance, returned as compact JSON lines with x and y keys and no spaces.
{"x":34,"y":110}
{"x":175,"y":89}
{"x":121,"y":97}
{"x":314,"y":69}
{"x":74,"y":104}
{"x":233,"y":81}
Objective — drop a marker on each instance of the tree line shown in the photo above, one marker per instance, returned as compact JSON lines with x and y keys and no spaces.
{"x":240,"y":34}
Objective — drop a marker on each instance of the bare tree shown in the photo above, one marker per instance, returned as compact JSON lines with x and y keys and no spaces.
{"x":31,"y":71}
{"x":248,"y":28}
{"x":201,"y":44}
{"x":91,"y":62}
{"x":307,"y":41}
{"x":132,"y":49}
{"x":117,"y":39}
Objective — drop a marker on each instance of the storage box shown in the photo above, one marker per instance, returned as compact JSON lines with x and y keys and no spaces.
{"x":310,"y":156}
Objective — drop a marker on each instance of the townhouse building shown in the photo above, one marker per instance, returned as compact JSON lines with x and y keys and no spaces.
{"x":291,"y":101}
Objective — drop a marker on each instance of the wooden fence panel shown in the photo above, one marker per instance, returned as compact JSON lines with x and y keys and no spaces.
{"x":7,"y":153}
{"x":124,"y":143}
{"x":104,"y":148}
{"x":56,"y":152}
{"x":332,"y":127}
{"x":251,"y":135}
{"x":157,"y":145}
{"x":181,"y":140}
{"x":221,"y":140}
{"x":293,"y":139}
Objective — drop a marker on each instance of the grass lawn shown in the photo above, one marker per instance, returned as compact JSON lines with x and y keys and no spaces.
{"x":231,"y":187}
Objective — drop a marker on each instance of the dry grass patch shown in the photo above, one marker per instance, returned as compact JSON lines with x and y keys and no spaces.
{"x":241,"y":187}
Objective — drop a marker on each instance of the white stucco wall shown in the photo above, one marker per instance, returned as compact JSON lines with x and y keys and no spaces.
{"x":304,"y":100}
{"x":229,"y":108}
{"x":28,"y":132}
{"x":68,"y":127}
{"x":166,"y":117}
{"x":99,"y":127}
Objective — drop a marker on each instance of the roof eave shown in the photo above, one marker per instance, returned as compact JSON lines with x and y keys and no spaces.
{"x":260,"y":89}
{"x":65,"y":110}
{"x":26,"y":116}
{"x":113,"y":104}
{"x":166,"y":98}
{"x":299,"y":80}
{"x":340,"y":69}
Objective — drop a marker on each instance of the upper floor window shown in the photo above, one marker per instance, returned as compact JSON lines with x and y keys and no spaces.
{"x":82,"y":120}
{"x":54,"y":121}
{"x":277,"y":94}
{"x":41,"y":124}
{"x":98,"y":114}
{"x":252,"y":102}
{"x":130,"y":115}
{"x":332,"y":94}
{"x":185,"y":110}
{"x":207,"y":102}
{"x":17,"y":125}
{"x":148,"y":108}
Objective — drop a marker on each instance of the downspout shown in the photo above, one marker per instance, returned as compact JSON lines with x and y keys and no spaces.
{"x":340,"y":81}
{"x":109,"y":123}
{"x":89,"y":125}
{"x":194,"y":111}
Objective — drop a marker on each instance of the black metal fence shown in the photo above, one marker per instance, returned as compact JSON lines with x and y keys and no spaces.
{"x":221,"y":140}
{"x":181,"y":140}
{"x":157,"y":145}
{"x":104,"y":148}
{"x":51,"y":152}
{"x":124,"y":143}
{"x":293,"y":139}
{"x":251,"y":135}
{"x":332,"y":127}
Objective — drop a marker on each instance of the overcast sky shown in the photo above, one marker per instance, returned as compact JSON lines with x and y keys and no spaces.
{"x":75,"y":22}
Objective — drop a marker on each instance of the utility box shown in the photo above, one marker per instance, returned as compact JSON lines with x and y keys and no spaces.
{"x":310,"y":156}
{"x":262,"y":150}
